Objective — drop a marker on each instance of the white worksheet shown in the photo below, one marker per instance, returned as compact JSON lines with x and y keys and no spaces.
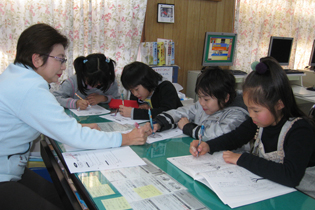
{"x":96,"y":160}
{"x":92,"y":110}
{"x":168,"y":134}
{"x":122,"y":120}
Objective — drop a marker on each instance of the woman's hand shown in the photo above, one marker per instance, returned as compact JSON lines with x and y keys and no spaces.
{"x":82,"y":104}
{"x":92,"y":126}
{"x":125,"y":111}
{"x":182,"y":122}
{"x":137,"y":136}
{"x":231,"y":157}
{"x":95,"y":98}
{"x":203,"y":148}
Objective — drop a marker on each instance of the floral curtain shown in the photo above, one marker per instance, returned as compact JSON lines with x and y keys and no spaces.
{"x":257,"y":20}
{"x":112,"y":27}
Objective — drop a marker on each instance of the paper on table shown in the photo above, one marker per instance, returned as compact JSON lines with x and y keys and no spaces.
{"x":159,"y":136}
{"x":122,"y":120}
{"x":93,"y":110}
{"x":96,"y":160}
{"x":234,"y":185}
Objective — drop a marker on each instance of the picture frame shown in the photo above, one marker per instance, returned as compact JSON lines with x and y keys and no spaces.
{"x":166,"y":13}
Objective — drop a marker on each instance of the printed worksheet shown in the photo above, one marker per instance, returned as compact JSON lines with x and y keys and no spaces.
{"x":147,"y":185}
{"x":95,"y":160}
{"x":168,"y":134}
{"x":92,"y":110}
{"x":116,"y":117}
{"x":234,"y":185}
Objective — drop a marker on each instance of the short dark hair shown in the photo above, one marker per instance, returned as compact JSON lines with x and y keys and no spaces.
{"x":214,"y":81}
{"x":94,"y":69}
{"x":138,"y":73}
{"x":38,"y":39}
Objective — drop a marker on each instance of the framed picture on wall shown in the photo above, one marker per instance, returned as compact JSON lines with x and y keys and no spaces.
{"x":166,"y":13}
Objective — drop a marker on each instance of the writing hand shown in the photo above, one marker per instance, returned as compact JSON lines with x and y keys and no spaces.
{"x":82,"y":104}
{"x":203,"y":148}
{"x":156,"y":127}
{"x":125,"y":111}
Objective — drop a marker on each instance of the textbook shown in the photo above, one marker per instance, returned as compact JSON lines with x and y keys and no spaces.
{"x":234,"y":185}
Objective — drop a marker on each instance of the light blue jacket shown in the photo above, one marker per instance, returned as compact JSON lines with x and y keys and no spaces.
{"x":27,"y":108}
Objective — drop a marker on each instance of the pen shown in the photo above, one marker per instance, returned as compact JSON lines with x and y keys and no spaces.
{"x":81,"y":99}
{"x":150,"y":116}
{"x":122,"y":98}
{"x":200,"y":137}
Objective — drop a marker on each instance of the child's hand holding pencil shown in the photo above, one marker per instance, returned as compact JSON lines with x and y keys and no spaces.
{"x":82,"y":104}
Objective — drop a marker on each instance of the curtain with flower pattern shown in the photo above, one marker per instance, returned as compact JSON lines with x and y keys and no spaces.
{"x":112,"y":27}
{"x":257,"y":20}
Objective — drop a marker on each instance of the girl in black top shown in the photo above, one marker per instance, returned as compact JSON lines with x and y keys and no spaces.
{"x":149,"y":89}
{"x":284,"y":140}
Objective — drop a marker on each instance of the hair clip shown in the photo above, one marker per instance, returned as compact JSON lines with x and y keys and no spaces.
{"x":261,"y":68}
{"x":107,"y":60}
{"x":86,"y":60}
{"x":253,"y":65}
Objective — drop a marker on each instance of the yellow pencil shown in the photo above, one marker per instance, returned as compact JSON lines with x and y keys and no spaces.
{"x":78,"y":96}
{"x":81,"y":98}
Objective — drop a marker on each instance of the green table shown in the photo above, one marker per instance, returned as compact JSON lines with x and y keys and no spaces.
{"x":157,"y":154}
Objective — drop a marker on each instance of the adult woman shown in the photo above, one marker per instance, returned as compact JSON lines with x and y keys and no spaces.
{"x":30,"y":109}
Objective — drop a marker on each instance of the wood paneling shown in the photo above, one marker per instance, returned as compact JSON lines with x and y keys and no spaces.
{"x":193,"y":18}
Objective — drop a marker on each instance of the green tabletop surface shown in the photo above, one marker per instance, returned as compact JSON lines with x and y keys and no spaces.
{"x":158,"y":152}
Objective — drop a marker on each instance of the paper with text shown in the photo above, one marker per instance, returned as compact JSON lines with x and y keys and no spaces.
{"x":168,"y":134}
{"x":234,"y":185}
{"x":122,"y":120}
{"x":93,"y":110}
{"x":95,"y":160}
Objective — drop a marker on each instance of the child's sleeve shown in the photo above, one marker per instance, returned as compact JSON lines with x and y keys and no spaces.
{"x":169,"y":119}
{"x":164,"y":98}
{"x":65,"y":95}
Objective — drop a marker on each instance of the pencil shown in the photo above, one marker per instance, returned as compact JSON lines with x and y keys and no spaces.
{"x":202,"y":129}
{"x":78,"y":96}
{"x":150,"y":117}
{"x":122,"y":98}
{"x":81,"y":98}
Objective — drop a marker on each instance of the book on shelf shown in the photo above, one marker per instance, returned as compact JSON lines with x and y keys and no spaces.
{"x":148,"y":53}
{"x":169,"y":51}
{"x":234,"y":185}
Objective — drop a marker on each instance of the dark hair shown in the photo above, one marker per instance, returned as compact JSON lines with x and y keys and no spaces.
{"x":94,"y":69}
{"x":38,"y":39}
{"x":267,"y":85}
{"x":137,"y":73}
{"x":214,"y":81}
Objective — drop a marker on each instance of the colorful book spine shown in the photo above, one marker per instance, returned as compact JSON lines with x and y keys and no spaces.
{"x":173,"y":53}
{"x":161,"y":54}
{"x":154,"y":53}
